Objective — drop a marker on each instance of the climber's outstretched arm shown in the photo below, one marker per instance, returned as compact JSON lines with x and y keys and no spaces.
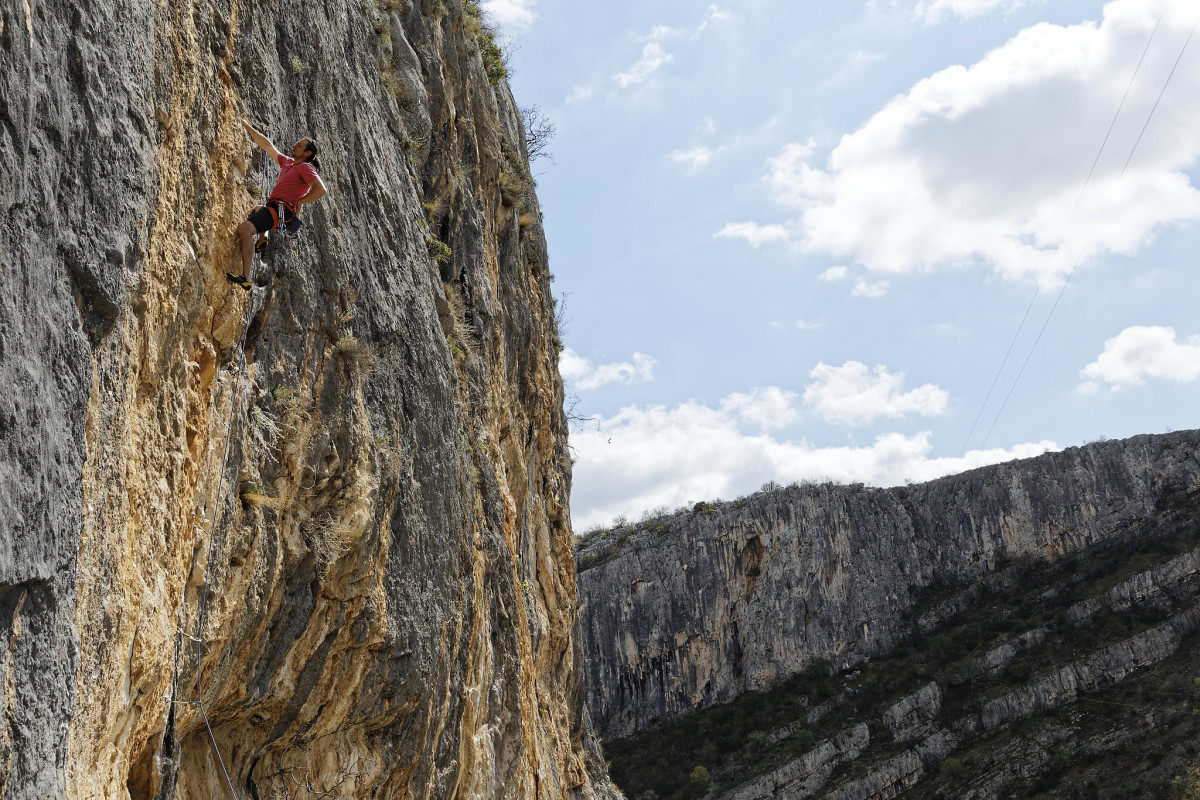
{"x":261,"y":141}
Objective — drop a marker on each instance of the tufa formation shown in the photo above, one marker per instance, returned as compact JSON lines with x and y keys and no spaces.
{"x":343,"y":569}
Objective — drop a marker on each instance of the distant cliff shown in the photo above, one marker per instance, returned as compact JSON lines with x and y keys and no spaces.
{"x":388,"y":581}
{"x":694,"y":609}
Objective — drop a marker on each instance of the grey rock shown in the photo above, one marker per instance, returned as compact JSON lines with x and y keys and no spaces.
{"x":1098,"y":670}
{"x":910,"y":716}
{"x":805,"y":776}
{"x":388,"y":572}
{"x":693,"y":609}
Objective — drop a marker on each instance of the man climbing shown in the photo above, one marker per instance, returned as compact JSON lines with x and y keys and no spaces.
{"x":298,"y":185}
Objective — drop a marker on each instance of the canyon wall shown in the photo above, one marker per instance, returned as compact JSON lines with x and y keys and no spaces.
{"x":355,"y":548}
{"x":694,"y":609}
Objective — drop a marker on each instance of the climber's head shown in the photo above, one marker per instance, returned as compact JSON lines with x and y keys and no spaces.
{"x":306,"y":150}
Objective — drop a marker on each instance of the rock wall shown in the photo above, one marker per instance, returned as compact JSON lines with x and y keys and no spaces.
{"x":693,"y":609}
{"x":387,"y":577}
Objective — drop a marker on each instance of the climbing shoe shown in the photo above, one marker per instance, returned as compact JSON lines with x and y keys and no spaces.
{"x":240,"y":280}
{"x":261,"y":244}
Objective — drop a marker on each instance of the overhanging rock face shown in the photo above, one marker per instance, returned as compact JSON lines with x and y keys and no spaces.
{"x":388,"y":577}
{"x":694,"y":609}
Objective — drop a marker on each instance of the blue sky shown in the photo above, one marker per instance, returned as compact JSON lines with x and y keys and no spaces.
{"x":796,"y":239}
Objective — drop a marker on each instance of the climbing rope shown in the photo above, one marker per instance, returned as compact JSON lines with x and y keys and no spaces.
{"x":215,"y":519}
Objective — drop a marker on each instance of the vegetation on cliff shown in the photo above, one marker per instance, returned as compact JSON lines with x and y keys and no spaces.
{"x":1076,"y":675}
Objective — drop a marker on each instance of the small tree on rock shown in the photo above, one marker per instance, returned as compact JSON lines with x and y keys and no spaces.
{"x":539,"y":132}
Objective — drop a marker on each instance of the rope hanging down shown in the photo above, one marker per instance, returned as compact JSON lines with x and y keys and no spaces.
{"x":215,"y":519}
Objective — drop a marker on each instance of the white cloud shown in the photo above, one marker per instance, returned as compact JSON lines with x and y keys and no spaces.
{"x":938,"y":10}
{"x":753,"y":233}
{"x":653,"y":57}
{"x":642,"y":458}
{"x":768,"y":408}
{"x":513,"y":14}
{"x":579,"y":93}
{"x":696,"y":157}
{"x":983,"y":164}
{"x":1142,"y":352}
{"x":853,"y":395}
{"x":713,"y":16}
{"x":864,"y":288}
{"x":856,"y":64}
{"x":581,"y":374}
{"x":799,"y":325}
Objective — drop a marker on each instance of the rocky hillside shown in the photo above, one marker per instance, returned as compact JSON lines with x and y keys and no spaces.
{"x":372,"y":590}
{"x":1028,"y":629}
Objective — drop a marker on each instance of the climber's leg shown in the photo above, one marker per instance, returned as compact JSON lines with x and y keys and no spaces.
{"x":261,"y":220}
{"x":246,"y":232}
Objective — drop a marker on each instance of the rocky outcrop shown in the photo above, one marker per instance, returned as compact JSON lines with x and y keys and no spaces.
{"x":1060,"y":672}
{"x":807,"y":774}
{"x":374,"y":587}
{"x":696,"y":608}
{"x":1103,"y":668}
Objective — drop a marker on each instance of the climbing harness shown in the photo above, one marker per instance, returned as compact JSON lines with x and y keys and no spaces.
{"x":215,"y":520}
{"x":283,"y":223}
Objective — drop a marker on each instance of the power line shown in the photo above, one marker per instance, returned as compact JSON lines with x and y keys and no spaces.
{"x":1078,"y":260}
{"x":1070,"y":219}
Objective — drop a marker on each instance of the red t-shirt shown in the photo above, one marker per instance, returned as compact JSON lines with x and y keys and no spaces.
{"x":294,"y":179}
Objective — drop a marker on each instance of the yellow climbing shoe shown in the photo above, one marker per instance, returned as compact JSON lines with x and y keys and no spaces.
{"x":240,"y":280}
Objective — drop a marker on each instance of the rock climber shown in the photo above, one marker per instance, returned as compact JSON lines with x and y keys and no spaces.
{"x":298,"y":185}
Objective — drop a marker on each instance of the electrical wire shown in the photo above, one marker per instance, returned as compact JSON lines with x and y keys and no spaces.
{"x":1078,"y":260}
{"x":1070,"y":220}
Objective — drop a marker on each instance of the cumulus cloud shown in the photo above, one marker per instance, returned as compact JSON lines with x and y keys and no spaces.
{"x":768,"y":408}
{"x":755,"y":234}
{"x":512,"y":14}
{"x":643,"y":458}
{"x":653,"y":57}
{"x":1142,"y":352}
{"x":853,"y":394}
{"x":582,"y":374}
{"x":939,"y":10}
{"x":984,"y":164}
{"x":835,"y":274}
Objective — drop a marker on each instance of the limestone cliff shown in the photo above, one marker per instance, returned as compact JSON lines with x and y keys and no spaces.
{"x":387,"y":581}
{"x":1026,"y":624}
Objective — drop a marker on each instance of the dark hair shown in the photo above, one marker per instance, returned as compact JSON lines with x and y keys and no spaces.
{"x":310,"y":147}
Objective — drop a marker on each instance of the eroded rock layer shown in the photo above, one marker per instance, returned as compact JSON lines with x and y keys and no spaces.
{"x":377,"y":592}
{"x":696,"y":608}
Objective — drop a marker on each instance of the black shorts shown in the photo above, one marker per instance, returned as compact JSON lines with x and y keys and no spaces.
{"x":263,"y":219}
